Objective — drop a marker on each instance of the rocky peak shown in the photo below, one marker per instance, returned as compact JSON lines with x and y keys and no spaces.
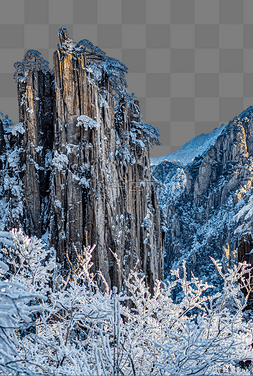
{"x":82,"y":162}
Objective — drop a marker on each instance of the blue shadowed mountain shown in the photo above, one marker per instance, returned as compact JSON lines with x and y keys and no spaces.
{"x":205,"y":192}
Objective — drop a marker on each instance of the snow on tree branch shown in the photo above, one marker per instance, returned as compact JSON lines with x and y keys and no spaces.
{"x":72,"y":325}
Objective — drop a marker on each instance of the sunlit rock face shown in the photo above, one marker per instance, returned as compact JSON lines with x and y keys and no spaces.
{"x":29,"y":147}
{"x":82,"y":162}
{"x":207,"y":201}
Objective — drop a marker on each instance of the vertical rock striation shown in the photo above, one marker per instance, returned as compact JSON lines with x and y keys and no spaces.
{"x":83,"y":161}
{"x":35,"y":139}
{"x":101,"y":182}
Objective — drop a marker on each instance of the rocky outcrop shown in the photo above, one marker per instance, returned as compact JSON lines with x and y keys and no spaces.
{"x":208,"y":202}
{"x":82,"y":162}
{"x":101,"y":183}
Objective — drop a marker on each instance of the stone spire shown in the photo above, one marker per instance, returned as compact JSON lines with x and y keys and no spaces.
{"x":63,"y":35}
{"x":35,"y":143}
{"x":99,"y":184}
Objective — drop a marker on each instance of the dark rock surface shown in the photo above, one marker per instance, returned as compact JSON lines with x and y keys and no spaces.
{"x":2,"y":140}
{"x":245,"y":254}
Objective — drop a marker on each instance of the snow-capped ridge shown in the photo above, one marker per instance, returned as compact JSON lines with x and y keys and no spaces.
{"x":213,"y":206}
{"x":199,"y":145}
{"x":193,"y":148}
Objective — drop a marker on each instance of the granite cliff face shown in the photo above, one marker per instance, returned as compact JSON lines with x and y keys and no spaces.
{"x":33,"y":138}
{"x":77,"y":167}
{"x":207,"y":201}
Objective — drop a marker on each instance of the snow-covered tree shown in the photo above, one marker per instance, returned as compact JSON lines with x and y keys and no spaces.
{"x":31,"y":263}
{"x":16,"y":309}
{"x":74,"y":324}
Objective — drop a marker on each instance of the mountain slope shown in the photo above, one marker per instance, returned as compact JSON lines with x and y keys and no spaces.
{"x":208,"y":202}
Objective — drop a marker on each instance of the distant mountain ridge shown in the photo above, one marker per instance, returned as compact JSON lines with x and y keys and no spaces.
{"x":207,"y":196}
{"x":193,"y":148}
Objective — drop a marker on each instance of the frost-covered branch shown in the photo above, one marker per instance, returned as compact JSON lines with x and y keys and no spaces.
{"x":85,"y":328}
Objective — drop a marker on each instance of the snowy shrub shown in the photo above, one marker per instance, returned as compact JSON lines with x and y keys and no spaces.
{"x":15,"y":315}
{"x":87,"y":122}
{"x":60,"y":161}
{"x":17,"y":292}
{"x":18,"y":128}
{"x":31,"y":263}
{"x":6,"y":121}
{"x":32,"y":62}
{"x":84,"y":328}
{"x":102,"y":66}
{"x":150,"y":132}
{"x":214,"y":340}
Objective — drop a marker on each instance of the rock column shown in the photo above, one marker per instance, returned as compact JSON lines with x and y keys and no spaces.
{"x":35,"y":142}
{"x":93,"y":191}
